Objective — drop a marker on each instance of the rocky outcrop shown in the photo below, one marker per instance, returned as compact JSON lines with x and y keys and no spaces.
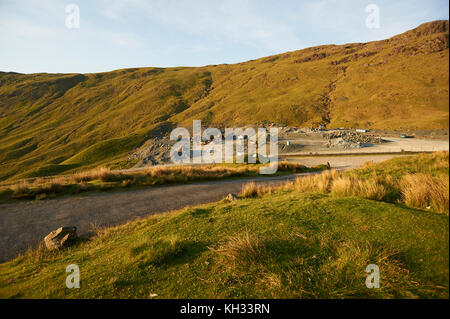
{"x":155,"y":151}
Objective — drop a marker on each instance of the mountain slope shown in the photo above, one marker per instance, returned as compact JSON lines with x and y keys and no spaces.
{"x":398,"y":83}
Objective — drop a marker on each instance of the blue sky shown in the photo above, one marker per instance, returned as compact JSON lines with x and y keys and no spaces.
{"x":116,"y":34}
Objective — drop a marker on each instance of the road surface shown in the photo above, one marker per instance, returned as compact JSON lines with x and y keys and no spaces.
{"x":25,"y":223}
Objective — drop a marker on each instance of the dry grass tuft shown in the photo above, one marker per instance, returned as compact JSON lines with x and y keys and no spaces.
{"x":317,"y":183}
{"x":241,"y":250}
{"x":422,"y":191}
{"x":249,"y":190}
{"x":352,"y":186}
{"x":21,"y":189}
{"x":343,"y":186}
{"x":271,"y":280}
{"x":371,"y":189}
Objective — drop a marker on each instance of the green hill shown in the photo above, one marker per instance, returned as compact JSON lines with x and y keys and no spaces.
{"x":290,"y":242}
{"x":52,"y":120}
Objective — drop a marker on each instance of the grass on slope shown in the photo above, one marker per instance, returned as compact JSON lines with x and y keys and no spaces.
{"x":418,"y":181}
{"x":286,"y":244}
{"x":52,"y":119}
{"x":435,"y":164}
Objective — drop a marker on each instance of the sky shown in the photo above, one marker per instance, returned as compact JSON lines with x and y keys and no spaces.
{"x":46,"y":36}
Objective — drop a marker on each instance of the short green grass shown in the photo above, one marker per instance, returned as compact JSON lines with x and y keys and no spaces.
{"x":301,"y":246}
{"x":435,"y":164}
{"x":282,"y":244}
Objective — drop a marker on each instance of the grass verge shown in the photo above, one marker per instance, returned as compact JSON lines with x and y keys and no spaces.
{"x":417,"y":181}
{"x":103,"y":179}
{"x":294,"y":242}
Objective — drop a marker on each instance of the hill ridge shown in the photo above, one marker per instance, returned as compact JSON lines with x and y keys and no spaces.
{"x":399,"y":83}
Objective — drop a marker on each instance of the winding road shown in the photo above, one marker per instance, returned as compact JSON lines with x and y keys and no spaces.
{"x":23,"y":224}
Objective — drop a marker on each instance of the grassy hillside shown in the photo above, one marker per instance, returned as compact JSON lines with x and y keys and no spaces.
{"x":63,"y":122}
{"x":287,"y":243}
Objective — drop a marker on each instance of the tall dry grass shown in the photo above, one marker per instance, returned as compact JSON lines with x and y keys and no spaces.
{"x":21,"y":189}
{"x":102,"y":173}
{"x":372,"y":189}
{"x":352,"y":186}
{"x":254,"y":190}
{"x":250,"y":190}
{"x":311,"y":183}
{"x":426,"y":191}
{"x":343,"y":186}
{"x":423,"y":191}
{"x":42,"y":187}
{"x":317,"y":183}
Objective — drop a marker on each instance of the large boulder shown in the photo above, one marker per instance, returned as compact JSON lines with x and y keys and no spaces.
{"x":62,"y":237}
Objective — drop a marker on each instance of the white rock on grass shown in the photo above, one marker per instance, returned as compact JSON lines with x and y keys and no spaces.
{"x":62,"y":237}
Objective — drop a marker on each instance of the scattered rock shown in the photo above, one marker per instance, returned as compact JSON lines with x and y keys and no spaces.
{"x":231,"y":197}
{"x":62,"y":237}
{"x":347,"y":139}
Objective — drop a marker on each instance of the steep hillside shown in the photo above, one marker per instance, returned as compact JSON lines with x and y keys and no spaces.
{"x":47,"y":120}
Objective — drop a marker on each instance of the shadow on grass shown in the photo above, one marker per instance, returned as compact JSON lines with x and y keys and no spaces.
{"x":160,"y":254}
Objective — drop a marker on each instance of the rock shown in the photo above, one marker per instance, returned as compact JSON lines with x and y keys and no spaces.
{"x":62,"y":237}
{"x":231,"y":197}
{"x":347,"y":139}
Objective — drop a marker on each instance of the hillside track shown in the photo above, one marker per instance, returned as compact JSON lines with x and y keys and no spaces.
{"x":24,"y":224}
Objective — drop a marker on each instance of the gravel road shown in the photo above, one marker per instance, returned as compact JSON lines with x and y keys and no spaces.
{"x":24,"y":224}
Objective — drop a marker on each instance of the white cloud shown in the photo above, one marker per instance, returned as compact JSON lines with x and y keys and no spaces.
{"x":121,"y":33}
